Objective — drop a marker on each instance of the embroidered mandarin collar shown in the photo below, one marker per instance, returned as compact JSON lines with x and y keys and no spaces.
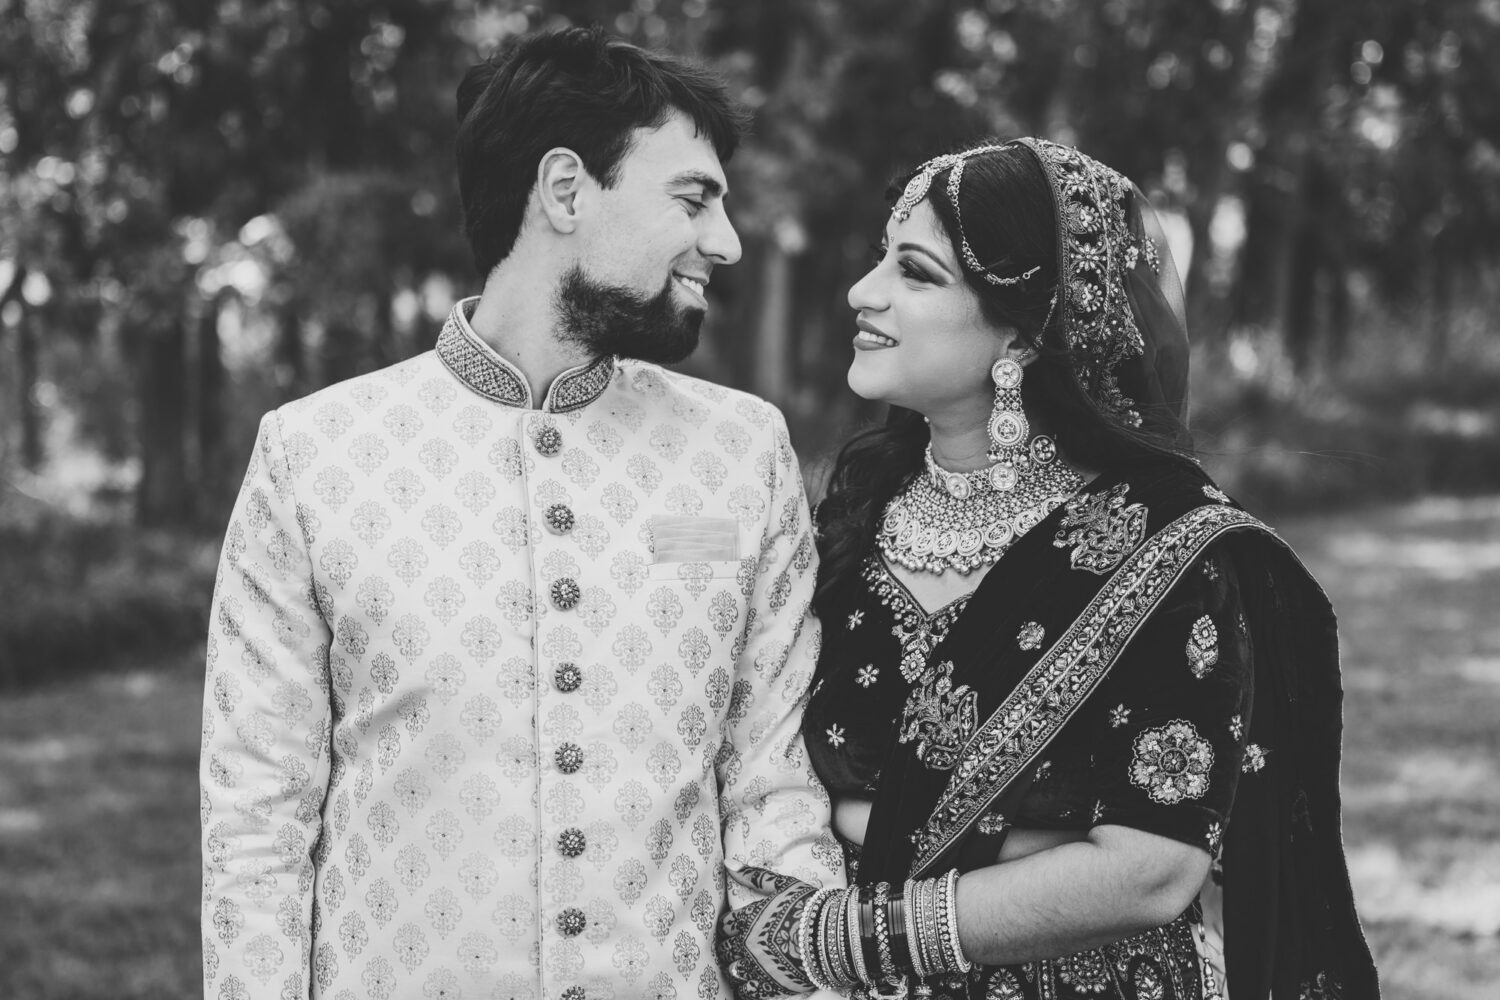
{"x":480,"y":367}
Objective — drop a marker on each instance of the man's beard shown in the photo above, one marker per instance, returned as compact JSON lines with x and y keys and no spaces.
{"x":607,"y":319}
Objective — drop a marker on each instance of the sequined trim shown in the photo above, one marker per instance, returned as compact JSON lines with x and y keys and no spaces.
{"x":1062,"y":680}
{"x":481,"y":368}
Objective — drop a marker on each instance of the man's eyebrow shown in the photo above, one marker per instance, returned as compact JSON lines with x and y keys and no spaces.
{"x":710,"y":184}
{"x":918,"y":248}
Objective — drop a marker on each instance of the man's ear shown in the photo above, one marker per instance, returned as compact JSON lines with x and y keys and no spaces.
{"x":560,"y":179}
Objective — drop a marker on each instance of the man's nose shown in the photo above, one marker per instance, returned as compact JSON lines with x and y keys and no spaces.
{"x":719,"y":242}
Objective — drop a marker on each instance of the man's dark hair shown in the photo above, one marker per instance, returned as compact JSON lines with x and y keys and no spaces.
{"x":578,"y":88}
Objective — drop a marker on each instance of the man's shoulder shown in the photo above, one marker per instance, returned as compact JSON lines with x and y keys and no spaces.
{"x":420,"y":377}
{"x":688,"y":394}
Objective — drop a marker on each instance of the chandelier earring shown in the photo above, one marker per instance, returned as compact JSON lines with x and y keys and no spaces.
{"x":1014,"y":452}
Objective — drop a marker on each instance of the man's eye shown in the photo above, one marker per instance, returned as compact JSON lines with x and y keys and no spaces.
{"x":694,"y":205}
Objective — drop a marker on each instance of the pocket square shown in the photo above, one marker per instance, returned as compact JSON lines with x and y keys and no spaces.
{"x":694,"y":539}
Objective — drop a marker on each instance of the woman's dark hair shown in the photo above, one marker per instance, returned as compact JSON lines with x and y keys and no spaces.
{"x":1010,"y":221}
{"x":577,"y":88}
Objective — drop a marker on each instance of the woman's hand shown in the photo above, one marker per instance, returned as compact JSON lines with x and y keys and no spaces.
{"x":757,"y":943}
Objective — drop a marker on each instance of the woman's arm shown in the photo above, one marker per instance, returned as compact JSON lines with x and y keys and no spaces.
{"x":1119,"y":881}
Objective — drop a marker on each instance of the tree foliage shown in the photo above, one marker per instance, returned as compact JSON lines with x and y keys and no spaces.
{"x":206,"y":207}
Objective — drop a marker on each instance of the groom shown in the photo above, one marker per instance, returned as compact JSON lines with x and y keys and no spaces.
{"x":509,"y":640}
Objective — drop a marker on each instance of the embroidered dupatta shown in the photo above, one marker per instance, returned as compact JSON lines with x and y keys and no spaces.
{"x":1091,"y":576}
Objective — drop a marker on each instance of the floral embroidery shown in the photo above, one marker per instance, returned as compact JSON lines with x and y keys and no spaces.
{"x":939,"y":717}
{"x":1236,"y":728}
{"x":1255,"y":759}
{"x":1119,"y":716}
{"x":1171,"y":763}
{"x":1101,"y":529}
{"x":1320,"y":988}
{"x":835,"y":736}
{"x":1211,"y":569}
{"x":992,"y":823}
{"x":855,"y":619}
{"x":1203,"y":647}
{"x":1214,"y":493}
{"x":1031,"y":636}
{"x":1214,"y":835}
{"x":1098,"y":810}
{"x":1085,"y":971}
{"x":867,"y":675}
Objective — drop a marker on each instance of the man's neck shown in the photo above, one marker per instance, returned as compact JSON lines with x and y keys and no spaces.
{"x":515,"y":317}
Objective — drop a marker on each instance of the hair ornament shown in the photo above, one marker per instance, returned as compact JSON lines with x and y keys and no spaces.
{"x":921,"y":183}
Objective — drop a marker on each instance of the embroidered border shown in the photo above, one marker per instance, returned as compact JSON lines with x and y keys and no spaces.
{"x":479,"y":367}
{"x":1066,"y":675}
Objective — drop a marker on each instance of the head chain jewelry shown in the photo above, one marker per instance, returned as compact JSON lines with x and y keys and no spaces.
{"x":916,"y":190}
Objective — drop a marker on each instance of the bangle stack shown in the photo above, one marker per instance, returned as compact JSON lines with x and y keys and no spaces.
{"x":877,"y":941}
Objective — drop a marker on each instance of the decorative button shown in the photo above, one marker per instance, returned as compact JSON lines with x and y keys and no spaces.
{"x":565,"y":593}
{"x":574,"y":993}
{"x":547,"y":440}
{"x":572,"y":921}
{"x":569,"y":758}
{"x":567,"y":677}
{"x":559,"y":519}
{"x":571,"y":842}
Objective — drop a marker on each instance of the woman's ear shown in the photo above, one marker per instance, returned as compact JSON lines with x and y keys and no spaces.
{"x":1019,"y":350}
{"x":560,"y":179}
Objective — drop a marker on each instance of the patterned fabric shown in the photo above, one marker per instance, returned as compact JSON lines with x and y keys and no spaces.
{"x":465,"y":734}
{"x":1093,"y":712}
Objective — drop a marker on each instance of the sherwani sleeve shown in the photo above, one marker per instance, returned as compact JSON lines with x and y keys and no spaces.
{"x":776,"y":812}
{"x":266,"y":719}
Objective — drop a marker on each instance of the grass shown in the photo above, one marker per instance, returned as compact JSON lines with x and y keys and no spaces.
{"x":98,"y":795}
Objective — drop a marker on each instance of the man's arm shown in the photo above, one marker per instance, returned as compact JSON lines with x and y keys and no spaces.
{"x":265,"y":761}
{"x":776,"y":813}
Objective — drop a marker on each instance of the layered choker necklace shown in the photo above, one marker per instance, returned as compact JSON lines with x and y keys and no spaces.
{"x":963,"y":521}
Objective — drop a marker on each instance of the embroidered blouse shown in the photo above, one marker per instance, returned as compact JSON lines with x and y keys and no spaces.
{"x":1159,"y":747}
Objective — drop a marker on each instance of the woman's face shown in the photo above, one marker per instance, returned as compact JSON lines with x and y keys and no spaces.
{"x":922,"y":342}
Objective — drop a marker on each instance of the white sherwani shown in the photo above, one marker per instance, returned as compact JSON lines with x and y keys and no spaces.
{"x":493,"y":691}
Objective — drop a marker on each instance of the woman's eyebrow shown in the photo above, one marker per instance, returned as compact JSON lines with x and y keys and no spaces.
{"x":918,"y":248}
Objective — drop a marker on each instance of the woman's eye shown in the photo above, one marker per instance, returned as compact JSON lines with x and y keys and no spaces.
{"x":913,"y":272}
{"x":877,"y":253}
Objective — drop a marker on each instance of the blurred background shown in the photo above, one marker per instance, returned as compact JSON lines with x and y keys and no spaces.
{"x":208,"y":207}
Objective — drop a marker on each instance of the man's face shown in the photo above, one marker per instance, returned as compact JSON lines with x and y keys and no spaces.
{"x":649,"y":249}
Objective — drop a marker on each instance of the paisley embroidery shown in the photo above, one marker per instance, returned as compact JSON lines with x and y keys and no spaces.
{"x":1214,"y":493}
{"x":1203,"y":647}
{"x":1171,"y":763}
{"x":939,"y":717}
{"x":1101,"y":529}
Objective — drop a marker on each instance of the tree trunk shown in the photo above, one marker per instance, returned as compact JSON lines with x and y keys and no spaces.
{"x":1301,"y":312}
{"x":162,"y":496}
{"x":773,"y":376}
{"x":27,"y":375}
{"x":211,"y":381}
